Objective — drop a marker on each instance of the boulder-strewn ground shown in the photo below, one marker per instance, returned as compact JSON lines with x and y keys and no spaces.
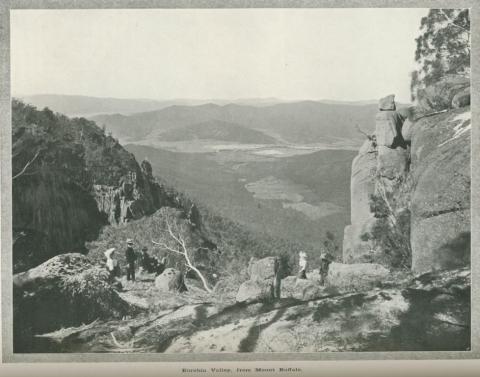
{"x":396,"y":312}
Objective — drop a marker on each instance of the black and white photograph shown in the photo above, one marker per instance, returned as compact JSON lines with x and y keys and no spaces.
{"x":230,"y":181}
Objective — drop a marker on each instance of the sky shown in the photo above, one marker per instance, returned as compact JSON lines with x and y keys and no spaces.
{"x":291,"y":54}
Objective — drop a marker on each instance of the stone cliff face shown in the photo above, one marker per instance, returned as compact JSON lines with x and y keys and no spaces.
{"x":410,"y":190}
{"x":80,"y":180}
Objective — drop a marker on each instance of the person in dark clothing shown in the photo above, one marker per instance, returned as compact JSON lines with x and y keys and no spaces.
{"x":131,"y":258}
{"x":147,"y":261}
{"x":160,"y":265}
{"x":325,"y":260}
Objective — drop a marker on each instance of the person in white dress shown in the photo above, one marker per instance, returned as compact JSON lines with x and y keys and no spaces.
{"x":302,"y":262}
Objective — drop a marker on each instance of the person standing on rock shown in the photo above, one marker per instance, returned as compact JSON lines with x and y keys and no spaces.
{"x":302,"y":262}
{"x":325,"y":260}
{"x":131,"y":257}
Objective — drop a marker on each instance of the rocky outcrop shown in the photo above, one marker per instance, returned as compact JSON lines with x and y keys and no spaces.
{"x":263,"y":283}
{"x":440,"y":202}
{"x":132,"y":198}
{"x":79,"y":181}
{"x":362,"y":185}
{"x":418,"y":171}
{"x":66,"y":290}
{"x":382,"y":162}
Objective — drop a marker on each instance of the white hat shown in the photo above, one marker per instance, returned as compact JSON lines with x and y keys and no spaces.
{"x":109,"y":252}
{"x":129,"y":241}
{"x":302,"y":253}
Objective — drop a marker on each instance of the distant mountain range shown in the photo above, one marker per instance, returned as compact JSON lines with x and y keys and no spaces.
{"x":84,"y":106}
{"x":258,"y":119}
{"x":299,"y":122}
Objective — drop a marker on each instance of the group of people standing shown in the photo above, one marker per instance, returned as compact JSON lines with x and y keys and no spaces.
{"x":147,"y":263}
{"x":325,"y":260}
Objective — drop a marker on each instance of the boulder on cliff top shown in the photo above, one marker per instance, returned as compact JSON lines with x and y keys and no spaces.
{"x":387,"y":103}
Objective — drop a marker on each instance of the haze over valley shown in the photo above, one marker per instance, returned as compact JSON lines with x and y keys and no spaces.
{"x":281,"y":168}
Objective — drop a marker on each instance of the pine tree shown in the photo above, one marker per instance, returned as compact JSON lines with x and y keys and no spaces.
{"x":443,"y":47}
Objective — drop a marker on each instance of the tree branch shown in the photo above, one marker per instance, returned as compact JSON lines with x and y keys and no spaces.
{"x":452,"y":22}
{"x":184,"y":253}
{"x":26,"y":166}
{"x":369,"y":137}
{"x":165,"y":246}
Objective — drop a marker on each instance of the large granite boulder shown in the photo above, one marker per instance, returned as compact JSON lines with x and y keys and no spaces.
{"x":263,"y":283}
{"x":303,"y":289}
{"x":254,"y":290}
{"x":388,"y":128}
{"x":440,"y":202}
{"x":171,"y":280}
{"x":461,"y":99}
{"x":356,"y":276}
{"x":262,"y":269}
{"x":66,"y":290}
{"x":387,"y":103}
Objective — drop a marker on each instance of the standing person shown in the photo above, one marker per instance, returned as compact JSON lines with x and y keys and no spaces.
{"x":131,"y":258}
{"x":146,"y":261}
{"x":112,"y":263}
{"x":325,"y":260}
{"x":302,"y":262}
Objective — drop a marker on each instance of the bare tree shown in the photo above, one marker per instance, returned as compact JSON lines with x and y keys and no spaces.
{"x":26,"y":166}
{"x":180,"y":247}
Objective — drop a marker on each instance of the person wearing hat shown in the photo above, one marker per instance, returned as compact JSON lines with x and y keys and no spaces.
{"x":112,"y":263}
{"x":131,"y":257}
{"x":302,"y":262}
{"x":325,"y":260}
